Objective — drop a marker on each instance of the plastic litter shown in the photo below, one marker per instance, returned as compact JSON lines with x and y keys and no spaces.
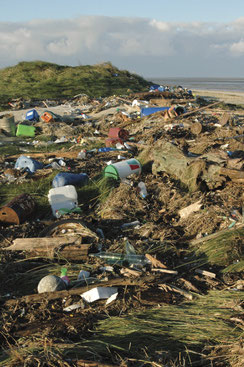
{"x":100,"y":293}
{"x":64,"y":276}
{"x":142,"y":189}
{"x":64,"y":197}
{"x":32,"y":115}
{"x":27,"y":163}
{"x":66,"y":178}
{"x":131,"y":224}
{"x":123,"y":169}
{"x":25,"y":130}
{"x":83,"y":275}
{"x":122,"y":259}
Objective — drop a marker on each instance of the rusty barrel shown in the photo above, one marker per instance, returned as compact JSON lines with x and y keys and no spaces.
{"x":18,"y":209}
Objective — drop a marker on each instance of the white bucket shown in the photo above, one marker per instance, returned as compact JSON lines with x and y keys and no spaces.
{"x":123,"y":169}
{"x":64,"y":197}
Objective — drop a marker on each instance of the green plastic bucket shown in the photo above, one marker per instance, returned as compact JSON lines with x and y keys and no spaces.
{"x":123,"y":169}
{"x":25,"y":130}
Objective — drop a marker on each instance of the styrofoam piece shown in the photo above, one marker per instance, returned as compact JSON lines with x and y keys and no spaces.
{"x":99,"y":293}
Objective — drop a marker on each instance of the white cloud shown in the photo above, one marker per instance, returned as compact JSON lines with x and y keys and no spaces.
{"x":238,"y":47}
{"x":146,"y":45}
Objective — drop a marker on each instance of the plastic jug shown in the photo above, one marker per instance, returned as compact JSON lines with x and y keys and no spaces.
{"x":30,"y":164}
{"x":64,"y":197}
{"x":66,"y":178}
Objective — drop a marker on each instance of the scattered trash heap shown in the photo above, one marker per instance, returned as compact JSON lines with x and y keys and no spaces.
{"x":174,"y":163}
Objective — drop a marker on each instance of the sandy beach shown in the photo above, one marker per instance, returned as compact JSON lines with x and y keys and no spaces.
{"x":225,"y":96}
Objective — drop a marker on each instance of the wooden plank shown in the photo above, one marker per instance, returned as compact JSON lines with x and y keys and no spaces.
{"x":66,"y":247}
{"x":40,"y":243}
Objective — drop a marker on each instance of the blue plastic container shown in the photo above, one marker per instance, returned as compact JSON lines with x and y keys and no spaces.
{"x":145,"y":111}
{"x":106,"y":149}
{"x":32,"y":115}
{"x":66,"y":178}
{"x":30,"y":164}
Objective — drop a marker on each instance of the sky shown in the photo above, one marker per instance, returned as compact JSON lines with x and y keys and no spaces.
{"x":156,"y":38}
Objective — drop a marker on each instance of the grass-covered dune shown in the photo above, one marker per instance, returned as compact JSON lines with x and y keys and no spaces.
{"x":39,"y":80}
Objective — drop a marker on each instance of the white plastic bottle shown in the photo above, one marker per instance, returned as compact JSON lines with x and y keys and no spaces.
{"x":142,"y":189}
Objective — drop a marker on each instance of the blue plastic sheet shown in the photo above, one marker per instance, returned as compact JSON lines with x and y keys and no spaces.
{"x":145,"y":111}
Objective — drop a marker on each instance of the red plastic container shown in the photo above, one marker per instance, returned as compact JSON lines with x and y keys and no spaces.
{"x":111,"y":142}
{"x":118,"y":133}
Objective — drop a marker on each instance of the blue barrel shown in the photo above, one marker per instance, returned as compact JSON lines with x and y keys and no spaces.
{"x":66,"y":178}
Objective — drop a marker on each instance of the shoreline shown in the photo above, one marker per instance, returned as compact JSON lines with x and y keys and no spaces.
{"x":226,"y":96}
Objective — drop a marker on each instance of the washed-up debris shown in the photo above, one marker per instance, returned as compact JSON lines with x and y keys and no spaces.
{"x":121,"y":170}
{"x":206,"y":273}
{"x":63,"y":197}
{"x":185,"y":212}
{"x":66,"y":247}
{"x":122,"y":259}
{"x":176,"y":192}
{"x":18,"y":209}
{"x":109,"y":293}
{"x":51,"y":283}
{"x":68,"y":178}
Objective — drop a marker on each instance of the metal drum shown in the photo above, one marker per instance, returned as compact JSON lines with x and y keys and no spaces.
{"x":18,"y":209}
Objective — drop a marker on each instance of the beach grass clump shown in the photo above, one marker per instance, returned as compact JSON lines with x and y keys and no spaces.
{"x":174,"y":330}
{"x":224,"y":250}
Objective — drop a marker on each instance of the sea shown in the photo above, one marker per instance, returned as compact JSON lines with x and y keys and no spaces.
{"x":219,"y":84}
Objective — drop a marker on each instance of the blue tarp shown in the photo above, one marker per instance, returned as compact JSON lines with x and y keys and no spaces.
{"x":150,"y":110}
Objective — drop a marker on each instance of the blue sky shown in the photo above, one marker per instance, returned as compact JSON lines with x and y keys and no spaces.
{"x":167,"y":10}
{"x":154,"y":38}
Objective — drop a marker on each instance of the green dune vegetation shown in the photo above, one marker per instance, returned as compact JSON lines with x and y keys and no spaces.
{"x":40,"y":80}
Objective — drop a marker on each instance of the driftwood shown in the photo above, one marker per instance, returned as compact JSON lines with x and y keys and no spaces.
{"x":234,"y":174}
{"x":141,"y":282}
{"x":68,"y":247}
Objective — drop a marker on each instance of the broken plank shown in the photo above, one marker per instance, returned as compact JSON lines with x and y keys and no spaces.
{"x":44,"y":243}
{"x":66,"y":247}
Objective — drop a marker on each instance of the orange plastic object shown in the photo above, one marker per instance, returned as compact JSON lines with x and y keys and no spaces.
{"x":47,"y":117}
